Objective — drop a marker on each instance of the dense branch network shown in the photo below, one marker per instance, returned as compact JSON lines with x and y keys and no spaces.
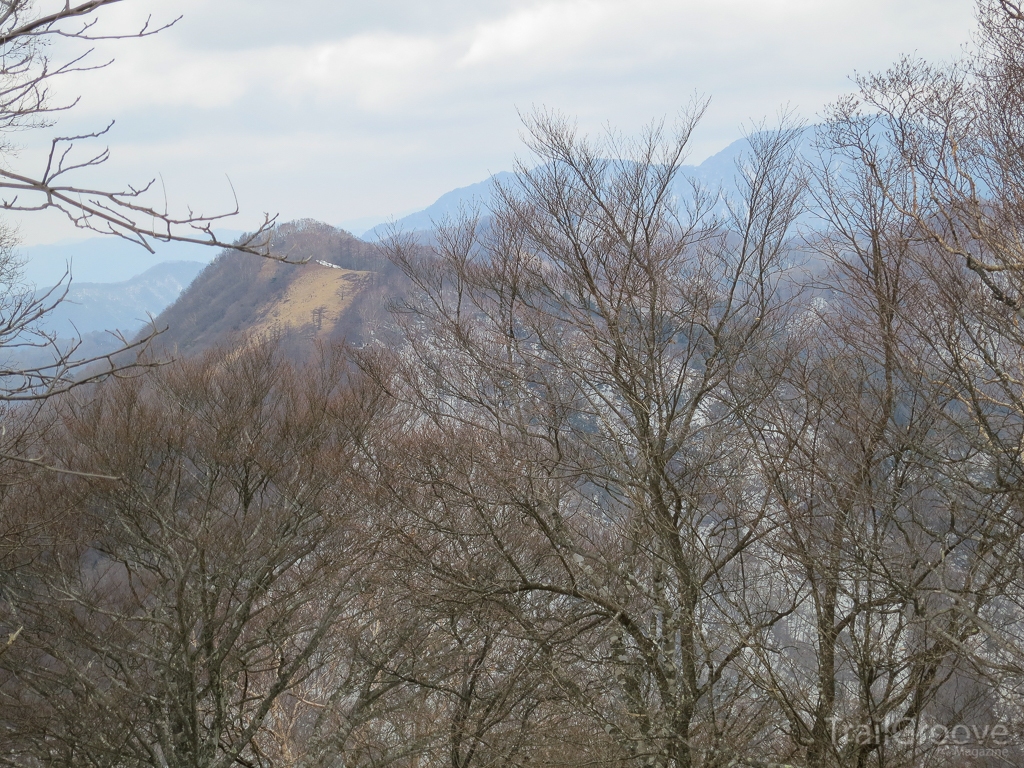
{"x":27,"y":68}
{"x":633,"y":484}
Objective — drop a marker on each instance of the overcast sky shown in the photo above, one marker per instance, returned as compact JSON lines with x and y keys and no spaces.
{"x":351,"y":111}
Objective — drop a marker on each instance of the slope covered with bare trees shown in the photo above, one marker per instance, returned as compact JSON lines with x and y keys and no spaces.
{"x":633,"y":479}
{"x":326,"y":286}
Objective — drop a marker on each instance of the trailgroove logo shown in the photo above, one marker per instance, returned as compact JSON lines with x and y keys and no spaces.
{"x":968,"y":740}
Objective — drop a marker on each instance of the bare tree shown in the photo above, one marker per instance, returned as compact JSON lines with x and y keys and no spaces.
{"x":940,"y":148}
{"x":211,"y":566}
{"x":580,"y":365}
{"x":26,"y":28}
{"x":136,"y":213}
{"x":893,"y":447}
{"x":879,"y":529}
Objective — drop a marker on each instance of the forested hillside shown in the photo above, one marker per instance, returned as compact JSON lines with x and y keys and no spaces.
{"x":610,"y":478}
{"x":323,"y":285}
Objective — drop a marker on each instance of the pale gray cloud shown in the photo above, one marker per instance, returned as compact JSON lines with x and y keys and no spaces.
{"x":354,"y":110}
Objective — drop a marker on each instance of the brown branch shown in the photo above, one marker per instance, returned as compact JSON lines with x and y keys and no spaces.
{"x":50,"y":468}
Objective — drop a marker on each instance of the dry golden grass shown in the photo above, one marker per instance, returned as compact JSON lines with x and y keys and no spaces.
{"x":314,"y":301}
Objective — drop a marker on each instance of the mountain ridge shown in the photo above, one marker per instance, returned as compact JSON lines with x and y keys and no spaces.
{"x":123,"y":306}
{"x":328,"y":298}
{"x":718,"y":170}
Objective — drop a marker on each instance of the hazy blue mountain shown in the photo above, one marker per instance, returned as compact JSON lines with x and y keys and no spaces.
{"x":124,"y":306}
{"x":106,"y":259}
{"x":718,"y":173}
{"x":447,"y":204}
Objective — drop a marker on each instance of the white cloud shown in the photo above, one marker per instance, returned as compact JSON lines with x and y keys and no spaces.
{"x":375,"y":69}
{"x":542,"y":31}
{"x":341,"y":108}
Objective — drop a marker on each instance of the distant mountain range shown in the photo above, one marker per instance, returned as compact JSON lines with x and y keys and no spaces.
{"x":718,"y":172}
{"x":116,"y":285}
{"x":106,"y":259}
{"x":123,"y":306}
{"x":447,"y":205}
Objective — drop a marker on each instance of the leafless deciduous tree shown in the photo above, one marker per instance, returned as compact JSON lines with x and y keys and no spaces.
{"x":940,"y":147}
{"x":137,"y":213}
{"x":26,"y":29}
{"x":883,"y":535}
{"x":579,"y":364}
{"x":212,"y":578}
{"x":28,"y":67}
